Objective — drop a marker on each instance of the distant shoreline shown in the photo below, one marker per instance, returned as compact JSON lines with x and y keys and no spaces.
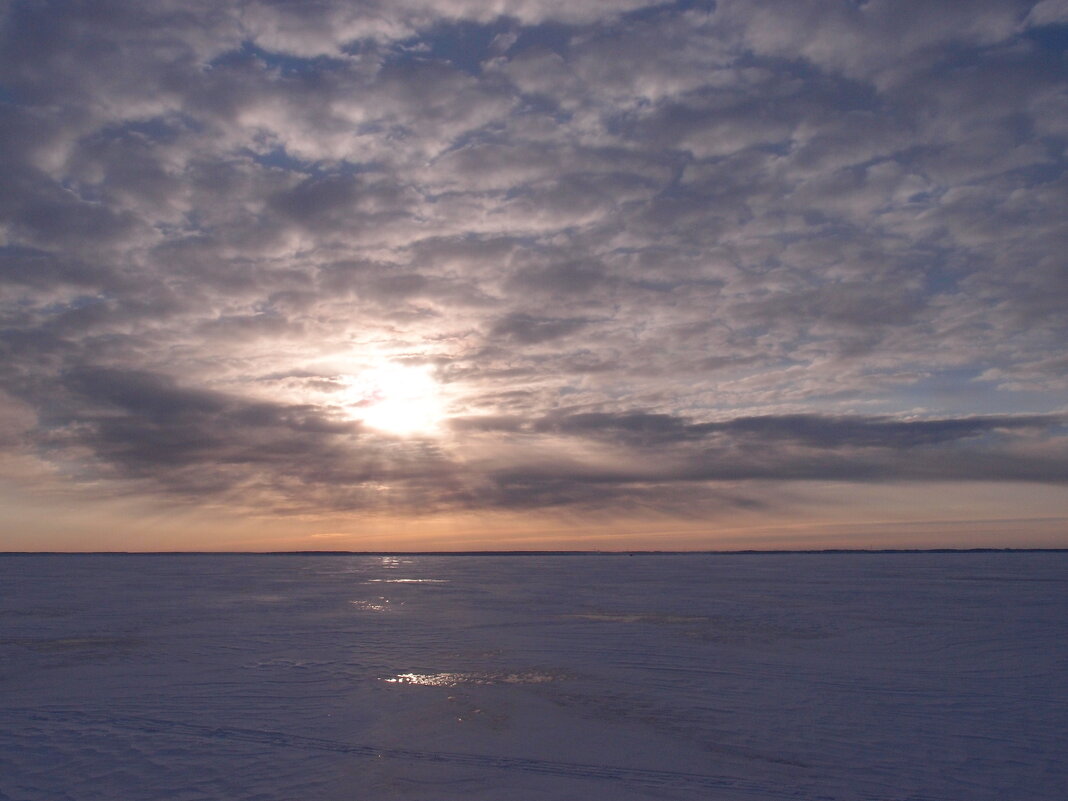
{"x":750,"y":552}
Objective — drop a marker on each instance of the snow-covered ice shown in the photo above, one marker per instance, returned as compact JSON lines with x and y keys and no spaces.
{"x":852,"y":677}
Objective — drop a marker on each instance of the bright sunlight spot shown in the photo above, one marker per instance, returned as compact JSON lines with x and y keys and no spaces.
{"x":396,"y":399}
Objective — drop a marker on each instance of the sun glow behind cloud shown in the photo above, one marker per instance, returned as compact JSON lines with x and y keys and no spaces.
{"x":395,"y":399}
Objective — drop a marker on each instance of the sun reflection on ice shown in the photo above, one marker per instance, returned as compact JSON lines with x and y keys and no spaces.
{"x":372,"y":606}
{"x":455,"y":679}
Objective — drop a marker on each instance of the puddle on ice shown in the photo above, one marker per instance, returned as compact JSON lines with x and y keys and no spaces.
{"x":381,"y":605}
{"x":456,"y":679}
{"x":392,"y":562}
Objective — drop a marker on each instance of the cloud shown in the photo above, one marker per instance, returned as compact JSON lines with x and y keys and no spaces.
{"x":146,"y":430}
{"x":807,"y":240}
{"x":526,"y":329}
{"x":656,"y":454}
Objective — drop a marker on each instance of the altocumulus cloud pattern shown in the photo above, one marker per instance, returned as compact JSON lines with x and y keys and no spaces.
{"x":438,"y":256}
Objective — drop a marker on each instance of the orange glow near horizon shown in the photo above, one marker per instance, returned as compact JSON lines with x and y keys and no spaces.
{"x":122,"y":526}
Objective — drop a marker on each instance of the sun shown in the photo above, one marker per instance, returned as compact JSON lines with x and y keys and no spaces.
{"x":396,"y":399}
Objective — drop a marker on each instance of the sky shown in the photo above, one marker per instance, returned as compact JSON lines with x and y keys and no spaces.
{"x":522,"y":274}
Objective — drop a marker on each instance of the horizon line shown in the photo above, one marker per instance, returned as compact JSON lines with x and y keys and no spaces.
{"x":621,"y":552}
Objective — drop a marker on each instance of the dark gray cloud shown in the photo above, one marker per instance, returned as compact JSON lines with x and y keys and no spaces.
{"x":809,"y":241}
{"x":815,"y":430}
{"x":657,"y":455}
{"x":147,"y":428}
{"x":526,"y":329}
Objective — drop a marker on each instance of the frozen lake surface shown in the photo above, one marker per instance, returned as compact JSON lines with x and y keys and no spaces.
{"x":871,"y":677}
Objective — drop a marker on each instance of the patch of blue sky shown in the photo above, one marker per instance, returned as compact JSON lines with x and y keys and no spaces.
{"x":76,"y":303}
{"x":1049,"y":37}
{"x":159,"y":129}
{"x":464,"y":45}
{"x":551,"y":36}
{"x":1049,"y":43}
{"x":941,"y":277}
{"x":843,"y":93}
{"x":467,"y":46}
{"x":668,"y":9}
{"x":1042,"y":172}
{"x":963,"y":391}
{"x":285,"y":63}
{"x":280,"y":158}
{"x":85,"y":191}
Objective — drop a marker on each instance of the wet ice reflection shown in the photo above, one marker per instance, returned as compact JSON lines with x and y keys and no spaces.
{"x":457,"y":678}
{"x":380,"y":605}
